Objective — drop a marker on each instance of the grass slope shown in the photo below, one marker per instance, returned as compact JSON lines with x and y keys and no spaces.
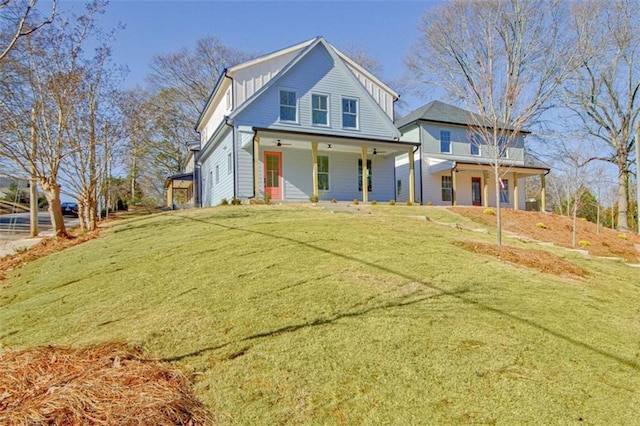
{"x":298,"y":315}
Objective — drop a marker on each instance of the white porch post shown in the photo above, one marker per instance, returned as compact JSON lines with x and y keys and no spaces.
{"x":485,"y":188}
{"x":412,"y":179}
{"x":256,"y":167}
{"x":543,"y":193}
{"x":515,"y":191}
{"x":365,"y":176}
{"x":314,"y":159}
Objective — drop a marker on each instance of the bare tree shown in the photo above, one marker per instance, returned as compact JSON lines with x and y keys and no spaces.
{"x":38,"y":107}
{"x":603,"y":92}
{"x":17,"y":20}
{"x":501,"y":59}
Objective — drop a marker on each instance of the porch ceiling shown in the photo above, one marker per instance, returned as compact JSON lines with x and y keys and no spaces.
{"x":326,"y":143}
{"x":523,"y":171}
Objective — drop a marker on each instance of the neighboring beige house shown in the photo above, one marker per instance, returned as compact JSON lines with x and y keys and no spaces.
{"x":453,"y":170}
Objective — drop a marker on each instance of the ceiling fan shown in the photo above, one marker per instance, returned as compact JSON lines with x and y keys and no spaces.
{"x":280,"y":143}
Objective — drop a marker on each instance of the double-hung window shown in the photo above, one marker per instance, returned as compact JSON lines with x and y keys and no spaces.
{"x":229,"y":164}
{"x":288,"y":106}
{"x":447,"y":188}
{"x":349,"y":113}
{"x":503,"y":147}
{"x":369,"y":177}
{"x":319,"y":110}
{"x":323,"y":172}
{"x":445,"y":141}
{"x":504,"y":191}
{"x":474,"y":145}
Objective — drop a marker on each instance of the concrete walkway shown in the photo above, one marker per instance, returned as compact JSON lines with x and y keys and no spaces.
{"x":8,"y":247}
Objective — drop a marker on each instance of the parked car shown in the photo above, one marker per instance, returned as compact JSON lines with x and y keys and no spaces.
{"x":69,"y":209}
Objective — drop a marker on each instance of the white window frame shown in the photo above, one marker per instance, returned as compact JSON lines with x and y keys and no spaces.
{"x":503,"y":141}
{"x":326,"y":111}
{"x":227,"y":98}
{"x":357,"y":113}
{"x":449,"y":188}
{"x":327,"y":173}
{"x":229,"y":164}
{"x":448,"y":133}
{"x":217,"y":174}
{"x":504,"y":192}
{"x":280,"y":105}
{"x":475,"y":142}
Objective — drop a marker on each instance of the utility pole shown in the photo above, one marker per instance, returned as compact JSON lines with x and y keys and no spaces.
{"x":33,"y":182}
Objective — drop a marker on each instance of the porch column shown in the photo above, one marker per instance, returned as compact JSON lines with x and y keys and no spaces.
{"x":170,"y":195}
{"x":485,"y":188}
{"x":515,"y":191}
{"x":412,"y":179}
{"x":454,"y":187}
{"x":256,"y":167}
{"x":314,"y":167}
{"x":543,"y":193}
{"x":365,"y":176}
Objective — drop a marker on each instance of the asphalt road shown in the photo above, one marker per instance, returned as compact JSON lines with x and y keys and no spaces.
{"x":17,"y":225}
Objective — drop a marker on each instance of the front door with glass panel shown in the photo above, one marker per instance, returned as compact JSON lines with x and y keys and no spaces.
{"x":273,"y":175}
{"x":476,"y":191}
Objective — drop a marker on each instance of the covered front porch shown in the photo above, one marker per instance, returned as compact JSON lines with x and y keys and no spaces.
{"x":302,"y":166}
{"x":473,"y":184}
{"x":180,"y":190}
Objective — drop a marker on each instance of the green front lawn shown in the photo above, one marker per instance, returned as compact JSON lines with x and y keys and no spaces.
{"x":294,"y":314}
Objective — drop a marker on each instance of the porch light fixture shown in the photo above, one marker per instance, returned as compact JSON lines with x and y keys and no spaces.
{"x":375,"y":152}
{"x":329,"y":146}
{"x":279,"y":143}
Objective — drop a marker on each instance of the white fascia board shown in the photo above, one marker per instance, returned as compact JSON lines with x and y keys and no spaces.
{"x":269,"y":56}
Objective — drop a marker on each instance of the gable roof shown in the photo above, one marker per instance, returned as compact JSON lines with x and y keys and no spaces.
{"x":338,"y":62}
{"x":441,"y":112}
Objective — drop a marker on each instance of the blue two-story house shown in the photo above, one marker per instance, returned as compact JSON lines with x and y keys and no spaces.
{"x":454,"y":167}
{"x":299,"y":123}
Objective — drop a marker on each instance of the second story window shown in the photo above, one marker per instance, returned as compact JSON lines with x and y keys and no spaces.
{"x":503,"y":147}
{"x":319,"y":111}
{"x":445,"y":141}
{"x":349,"y":113}
{"x":288,"y":106}
{"x":474,"y":145}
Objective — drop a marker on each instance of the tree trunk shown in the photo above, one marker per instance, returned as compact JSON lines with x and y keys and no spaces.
{"x":51,"y":191}
{"x":623,"y":193}
{"x":574,"y":231}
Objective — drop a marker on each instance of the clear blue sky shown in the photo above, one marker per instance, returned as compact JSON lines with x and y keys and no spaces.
{"x":385,"y":29}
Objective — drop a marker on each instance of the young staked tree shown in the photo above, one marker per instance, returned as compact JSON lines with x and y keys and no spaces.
{"x":19,"y":18}
{"x":503,"y":59}
{"x":604,"y":90}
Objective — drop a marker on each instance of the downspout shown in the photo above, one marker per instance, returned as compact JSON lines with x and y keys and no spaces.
{"x":453,"y":190}
{"x":414,"y":170}
{"x":253,"y":163}
{"x":233,"y":155}
{"x":421,"y":177}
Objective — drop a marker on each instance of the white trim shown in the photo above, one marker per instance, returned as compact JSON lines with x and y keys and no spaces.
{"x":328,"y":110}
{"x":351,"y":98}
{"x":269,"y":56}
{"x":297,"y":106}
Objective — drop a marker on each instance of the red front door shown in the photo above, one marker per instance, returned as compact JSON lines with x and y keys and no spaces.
{"x":273,"y":175}
{"x":476,"y":191}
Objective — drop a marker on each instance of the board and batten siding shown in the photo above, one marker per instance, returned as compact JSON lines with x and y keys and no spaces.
{"x":382,"y":96}
{"x":460,"y":144}
{"x":249,"y":80}
{"x":213,"y":192}
{"x":317,"y":74}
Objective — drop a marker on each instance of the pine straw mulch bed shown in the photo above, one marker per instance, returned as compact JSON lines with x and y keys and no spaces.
{"x":536,"y":259}
{"x":45,"y":247}
{"x":106,"y":384}
{"x":558,"y":229}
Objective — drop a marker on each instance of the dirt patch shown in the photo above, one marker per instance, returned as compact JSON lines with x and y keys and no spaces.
{"x":44,"y":248}
{"x":101,"y":385}
{"x":536,"y":259}
{"x":550,"y":227}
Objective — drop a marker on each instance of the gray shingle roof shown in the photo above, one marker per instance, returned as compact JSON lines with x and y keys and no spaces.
{"x":438,"y":111}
